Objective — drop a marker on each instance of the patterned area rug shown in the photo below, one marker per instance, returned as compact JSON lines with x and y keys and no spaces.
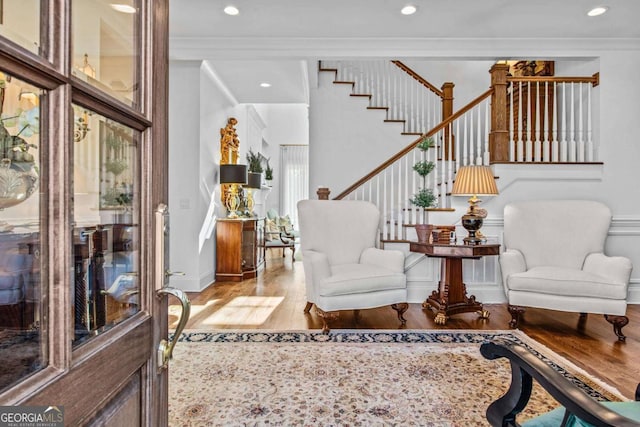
{"x":348,"y":378}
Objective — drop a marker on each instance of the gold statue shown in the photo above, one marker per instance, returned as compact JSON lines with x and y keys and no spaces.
{"x":229,"y":143}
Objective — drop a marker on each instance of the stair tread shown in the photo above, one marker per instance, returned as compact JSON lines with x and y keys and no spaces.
{"x":340,"y":82}
{"x":377,"y":108}
{"x":394,"y":120}
{"x":364,"y":95}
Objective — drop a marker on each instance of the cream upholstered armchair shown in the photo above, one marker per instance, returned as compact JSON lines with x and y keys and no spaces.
{"x":343,"y":268}
{"x":554,"y":259}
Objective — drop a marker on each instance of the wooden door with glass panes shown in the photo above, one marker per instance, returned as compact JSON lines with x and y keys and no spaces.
{"x":83,"y":303}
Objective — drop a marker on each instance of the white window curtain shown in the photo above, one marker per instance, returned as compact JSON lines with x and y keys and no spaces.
{"x":294,"y":182}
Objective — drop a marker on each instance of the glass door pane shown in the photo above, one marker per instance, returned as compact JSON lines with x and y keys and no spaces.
{"x":20,"y":22}
{"x":106,"y":223}
{"x":106,"y":47}
{"x":22,"y":350}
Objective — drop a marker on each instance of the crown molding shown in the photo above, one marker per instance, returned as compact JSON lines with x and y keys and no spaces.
{"x":190,"y":48}
{"x":209,"y":71}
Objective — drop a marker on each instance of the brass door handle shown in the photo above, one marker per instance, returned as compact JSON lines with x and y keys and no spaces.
{"x":165,"y":348}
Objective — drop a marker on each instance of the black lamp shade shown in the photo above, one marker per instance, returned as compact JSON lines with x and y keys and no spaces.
{"x":254,"y":180}
{"x":233,"y":174}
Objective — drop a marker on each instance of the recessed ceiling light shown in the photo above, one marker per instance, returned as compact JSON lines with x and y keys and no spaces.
{"x":265,"y":84}
{"x":231,"y":10}
{"x":124,"y":8}
{"x":408,"y":10}
{"x":597,"y":11}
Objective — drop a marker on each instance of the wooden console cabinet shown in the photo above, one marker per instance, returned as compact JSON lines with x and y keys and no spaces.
{"x":239,"y":248}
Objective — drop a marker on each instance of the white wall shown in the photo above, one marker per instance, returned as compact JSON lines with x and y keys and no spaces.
{"x":471,"y":78}
{"x":198,"y":108}
{"x":287,"y":124}
{"x":346,"y":141}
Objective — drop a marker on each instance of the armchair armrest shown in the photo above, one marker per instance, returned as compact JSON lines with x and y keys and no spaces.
{"x":525,"y":367}
{"x":393,"y":260}
{"x":316,"y":266}
{"x":283,"y":237}
{"x":615,"y":267}
{"x":511,"y":262}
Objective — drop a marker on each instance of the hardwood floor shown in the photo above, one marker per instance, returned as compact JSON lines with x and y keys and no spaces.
{"x":275,"y":300}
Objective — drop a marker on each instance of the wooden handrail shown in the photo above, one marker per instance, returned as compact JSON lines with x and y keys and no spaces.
{"x":594,"y":80}
{"x":411,"y":146}
{"x":419,"y":78}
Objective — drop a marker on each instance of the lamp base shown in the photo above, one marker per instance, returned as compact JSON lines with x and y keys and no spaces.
{"x":472,"y":224}
{"x":233,"y":202}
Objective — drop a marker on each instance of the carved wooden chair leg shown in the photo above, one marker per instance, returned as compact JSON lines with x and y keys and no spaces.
{"x":516,"y":311}
{"x":307,"y":308}
{"x":326,"y":316}
{"x":618,"y":323}
{"x":401,"y":308}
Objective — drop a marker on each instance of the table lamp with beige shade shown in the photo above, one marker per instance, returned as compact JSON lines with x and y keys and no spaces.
{"x":474,"y":181}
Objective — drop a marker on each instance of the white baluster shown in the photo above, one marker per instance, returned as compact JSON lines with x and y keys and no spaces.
{"x":471,"y":144}
{"x":520,"y":149}
{"x":404,"y":201}
{"x":452,"y":139}
{"x":458,"y":152}
{"x":545,"y":135}
{"x":487,"y":154}
{"x":581,"y":143}
{"x":528,"y":144}
{"x":466,"y":143}
{"x":478,"y":135}
{"x":572,"y":129}
{"x":590,"y":153}
{"x":394,"y":96}
{"x":512,"y":140}
{"x":392,"y":190}
{"x":555,"y":155}
{"x":385,"y":231}
{"x":415,"y":109}
{"x":537,"y":154}
{"x":563,"y":142}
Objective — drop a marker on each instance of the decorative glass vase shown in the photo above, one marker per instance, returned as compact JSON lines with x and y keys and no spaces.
{"x":17,"y":182}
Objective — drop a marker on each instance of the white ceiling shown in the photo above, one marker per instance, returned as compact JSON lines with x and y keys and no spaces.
{"x":271,"y":40}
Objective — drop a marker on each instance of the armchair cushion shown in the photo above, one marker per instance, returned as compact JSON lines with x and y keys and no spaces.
{"x":348,"y":279}
{"x":567,"y":282}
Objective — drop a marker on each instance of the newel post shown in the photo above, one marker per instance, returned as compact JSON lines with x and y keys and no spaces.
{"x":323,"y":193}
{"x":499,"y":135}
{"x":447,"y":111}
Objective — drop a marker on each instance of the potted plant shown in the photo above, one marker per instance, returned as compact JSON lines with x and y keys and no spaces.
{"x":424,"y":198}
{"x":268,"y":173}
{"x":254,"y":165}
